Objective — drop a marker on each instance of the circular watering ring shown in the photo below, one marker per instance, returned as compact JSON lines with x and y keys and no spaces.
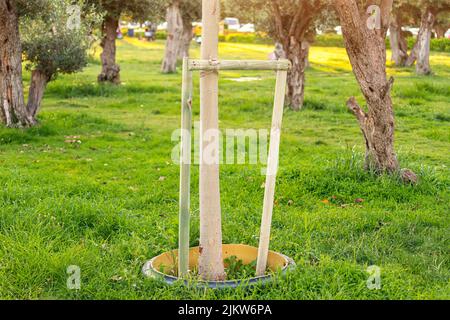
{"x":162,"y":266}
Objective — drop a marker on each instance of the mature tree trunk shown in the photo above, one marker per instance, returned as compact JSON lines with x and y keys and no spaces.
{"x":424,"y":39}
{"x":38,"y":84}
{"x":367,"y":52}
{"x":292,"y":33}
{"x":297,"y":53}
{"x":174,"y":37}
{"x":399,"y":45}
{"x":440,"y":29}
{"x":13,"y":112}
{"x":421,"y":49}
{"x":110,"y":70}
{"x":186,"y":39}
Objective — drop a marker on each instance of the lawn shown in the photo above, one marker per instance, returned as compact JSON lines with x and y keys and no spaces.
{"x":94,"y":185}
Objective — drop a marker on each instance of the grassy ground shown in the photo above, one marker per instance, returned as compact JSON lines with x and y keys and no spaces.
{"x":109,"y":203}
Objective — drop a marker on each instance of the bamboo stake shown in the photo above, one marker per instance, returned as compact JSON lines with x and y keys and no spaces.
{"x":185,"y":167}
{"x":272,"y":168}
{"x":210,"y":259}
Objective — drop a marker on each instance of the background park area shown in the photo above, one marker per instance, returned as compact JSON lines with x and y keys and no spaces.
{"x":93,"y":184}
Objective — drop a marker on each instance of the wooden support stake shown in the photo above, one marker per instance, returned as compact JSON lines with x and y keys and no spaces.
{"x":272,"y":168}
{"x":185,"y":167}
{"x":210,"y":258}
{"x":214,"y":65}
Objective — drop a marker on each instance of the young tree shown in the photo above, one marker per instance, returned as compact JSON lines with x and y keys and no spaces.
{"x":54,"y":44}
{"x":113,"y":9}
{"x":179,"y":16}
{"x":290,"y":23}
{"x":364,"y":35}
{"x":13,"y":111}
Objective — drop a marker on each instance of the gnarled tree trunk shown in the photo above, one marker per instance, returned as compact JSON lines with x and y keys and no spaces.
{"x":297,"y":53}
{"x":38,"y":83}
{"x":110,"y":70}
{"x":367,"y":52}
{"x":13,"y":112}
{"x":399,"y":46}
{"x":424,"y":39}
{"x":174,"y":37}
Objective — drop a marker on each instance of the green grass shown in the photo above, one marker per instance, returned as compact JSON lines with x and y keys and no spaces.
{"x":101,"y":204}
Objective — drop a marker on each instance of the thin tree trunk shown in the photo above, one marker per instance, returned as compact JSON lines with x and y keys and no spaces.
{"x":297,"y":53}
{"x":399,"y":46}
{"x":174,"y":37}
{"x":424,"y":38}
{"x":110,"y":70}
{"x":13,"y":112}
{"x":367,"y":52}
{"x":210,"y":260}
{"x":37,"y":87}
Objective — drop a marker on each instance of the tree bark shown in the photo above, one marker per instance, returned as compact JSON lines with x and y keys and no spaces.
{"x":174,"y":37}
{"x":424,"y":38}
{"x":297,"y":53}
{"x":110,"y":70}
{"x":211,"y":265}
{"x":440,"y":30}
{"x":399,"y":46}
{"x":367,"y":52}
{"x":186,"y":39}
{"x":13,"y":112}
{"x":292,"y":33}
{"x":38,"y":84}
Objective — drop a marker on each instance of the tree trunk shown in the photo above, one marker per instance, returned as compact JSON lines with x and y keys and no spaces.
{"x":211,"y":265}
{"x":440,"y":30}
{"x":174,"y":37}
{"x":399,"y":46}
{"x":297,"y":53}
{"x":13,"y":112}
{"x":424,"y":39}
{"x":367,"y":52}
{"x":37,"y":87}
{"x":186,"y":39}
{"x":110,"y":70}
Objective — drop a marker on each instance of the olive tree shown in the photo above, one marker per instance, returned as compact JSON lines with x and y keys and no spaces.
{"x":179,"y":16}
{"x":113,"y":10}
{"x":364,"y":26}
{"x":291,"y":23}
{"x":13,"y":111}
{"x":427,"y":14}
{"x":53,"y":44}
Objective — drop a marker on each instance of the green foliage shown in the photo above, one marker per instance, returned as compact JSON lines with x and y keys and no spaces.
{"x":136,"y":9}
{"x":236,"y":269}
{"x":51,"y":46}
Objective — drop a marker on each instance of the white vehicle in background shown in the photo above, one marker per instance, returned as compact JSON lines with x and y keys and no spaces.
{"x":338,"y":30}
{"x":134,"y":25}
{"x":232,"y":24}
{"x":414,"y":31}
{"x":447,"y":34}
{"x":247,"y":28}
{"x":162,"y":26}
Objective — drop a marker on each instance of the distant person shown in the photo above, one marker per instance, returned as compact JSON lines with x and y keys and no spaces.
{"x":149,"y":34}
{"x":119,"y":34}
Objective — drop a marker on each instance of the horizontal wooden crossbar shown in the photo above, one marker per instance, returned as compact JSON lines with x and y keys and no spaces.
{"x":215,"y":65}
